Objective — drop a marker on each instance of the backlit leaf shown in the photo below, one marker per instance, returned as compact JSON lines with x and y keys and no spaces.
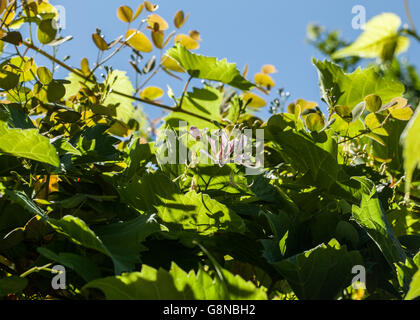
{"x":209,"y":68}
{"x":138,"y":41}
{"x":150,"y":6}
{"x":411,"y":142}
{"x":314,"y":122}
{"x":403,"y":114}
{"x":180,"y":19}
{"x":351,"y":89}
{"x":374,"y":122}
{"x":44,"y":75}
{"x":27,"y":144}
{"x":158,"y":37}
{"x":264,"y":80}
{"x":188,"y":42}
{"x":46,"y":31}
{"x":152,"y":93}
{"x":125,"y":14}
{"x":268,"y":69}
{"x":414,"y":287}
{"x":380,"y":39}
{"x":99,"y":42}
{"x":254,"y":101}
{"x":172,"y":64}
{"x":138,"y":11}
{"x":373,"y":102}
{"x":156,"y":19}
{"x":153,"y":284}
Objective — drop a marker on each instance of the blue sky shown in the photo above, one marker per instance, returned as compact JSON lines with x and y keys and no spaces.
{"x":244,"y":31}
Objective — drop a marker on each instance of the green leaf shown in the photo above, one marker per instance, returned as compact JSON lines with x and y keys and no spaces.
{"x":81,"y":265}
{"x":44,"y":75}
{"x":17,"y":118}
{"x":119,"y":81}
{"x":8,"y":80}
{"x":315,"y":156}
{"x":202,"y":102}
{"x":281,"y":244}
{"x":120,"y":241}
{"x":46,"y":31}
{"x":380,"y":39}
{"x":13,"y":37}
{"x":351,"y":89}
{"x":414,"y":287}
{"x":115,"y":81}
{"x":152,"y":284}
{"x":27,"y":144}
{"x":12,"y":285}
{"x":25,"y":202}
{"x":202,"y":67}
{"x":55,"y":91}
{"x":193,"y":212}
{"x":320,"y":273}
{"x":371,"y":217}
{"x":411,"y":142}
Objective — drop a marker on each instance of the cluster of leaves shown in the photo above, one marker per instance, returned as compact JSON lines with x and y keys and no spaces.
{"x":81,"y":185}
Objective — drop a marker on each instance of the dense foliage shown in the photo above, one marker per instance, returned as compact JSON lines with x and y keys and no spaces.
{"x":82,"y":186}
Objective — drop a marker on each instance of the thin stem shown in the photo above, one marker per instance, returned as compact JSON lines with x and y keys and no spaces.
{"x":409,"y":17}
{"x":81,"y":75}
{"x":149,"y":78}
{"x":184,"y":93}
{"x":8,"y":13}
{"x":37,"y":269}
{"x":105,"y":60}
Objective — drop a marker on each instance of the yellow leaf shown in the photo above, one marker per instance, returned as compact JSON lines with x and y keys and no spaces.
{"x":119,"y":129}
{"x":306,"y":104}
{"x":84,"y":65}
{"x":314,"y":122}
{"x":125,"y":14}
{"x":194,"y":34}
{"x":138,"y":12}
{"x":399,"y":103}
{"x":253,"y":100}
{"x":46,"y":185}
{"x":374,"y":121}
{"x":344,"y":113}
{"x":138,"y":41}
{"x":373,"y":102}
{"x":187,"y":41}
{"x":99,"y":42}
{"x":268,"y":69}
{"x":156,"y":19}
{"x":403,"y":114}
{"x":150,"y":7}
{"x":3,"y":5}
{"x":8,"y":17}
{"x":157,"y":37}
{"x":245,"y":71}
{"x":264,"y":80}
{"x":151,"y":93}
{"x":380,"y":39}
{"x":171,"y":64}
{"x":27,"y":65}
{"x":180,"y":19}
